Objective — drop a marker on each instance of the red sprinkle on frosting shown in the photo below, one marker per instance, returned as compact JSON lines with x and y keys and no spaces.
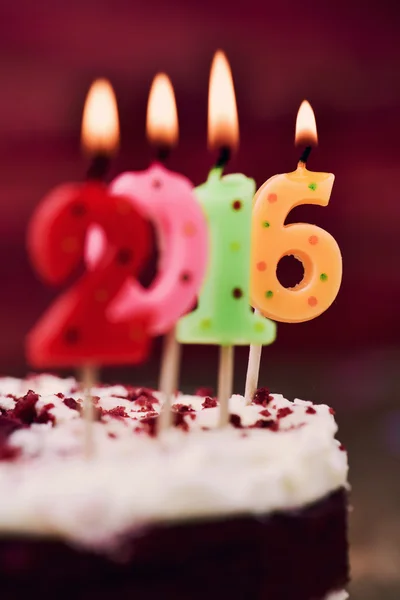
{"x":263,"y":424}
{"x":284,"y":412}
{"x":235,"y":420}
{"x":311,"y":410}
{"x":265,"y":413}
{"x":71,"y":403}
{"x":25,"y":408}
{"x":262,"y":396}
{"x":118,"y":412}
{"x":7,"y":426}
{"x":150,"y":425}
{"x":145,"y":403}
{"x":182,"y":408}
{"x":136,"y":394}
{"x":44,"y":416}
{"x":210,"y":402}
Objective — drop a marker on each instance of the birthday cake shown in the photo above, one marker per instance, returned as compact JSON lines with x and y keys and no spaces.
{"x":255,"y":510}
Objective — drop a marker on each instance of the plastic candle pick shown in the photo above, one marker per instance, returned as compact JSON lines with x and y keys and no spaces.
{"x":74,"y":331}
{"x":223,"y":315}
{"x":313,"y":246}
{"x":168,"y":200}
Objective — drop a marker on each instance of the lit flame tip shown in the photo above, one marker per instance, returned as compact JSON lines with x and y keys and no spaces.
{"x":162,"y":117}
{"x":100,"y":122}
{"x":223,"y":125}
{"x":306,"y":126}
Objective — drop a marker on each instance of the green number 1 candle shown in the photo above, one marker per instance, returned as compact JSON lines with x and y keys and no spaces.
{"x":223,"y":315}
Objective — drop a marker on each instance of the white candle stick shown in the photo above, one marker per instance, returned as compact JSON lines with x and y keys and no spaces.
{"x":253,"y":370}
{"x":89,"y":375}
{"x":169,"y":377}
{"x":225,"y":382}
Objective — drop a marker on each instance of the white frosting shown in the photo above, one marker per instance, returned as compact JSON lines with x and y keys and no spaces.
{"x":134,"y":479}
{"x":343,"y":595}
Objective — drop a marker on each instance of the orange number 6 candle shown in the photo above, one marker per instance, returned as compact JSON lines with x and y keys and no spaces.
{"x":313,"y":246}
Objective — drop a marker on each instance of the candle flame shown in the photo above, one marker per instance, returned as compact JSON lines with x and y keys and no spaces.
{"x":100,"y":123}
{"x":306,"y":127}
{"x":162,"y":117}
{"x":223,"y":125}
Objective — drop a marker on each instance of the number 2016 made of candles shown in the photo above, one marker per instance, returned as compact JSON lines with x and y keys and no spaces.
{"x":313,"y":246}
{"x":223,"y":315}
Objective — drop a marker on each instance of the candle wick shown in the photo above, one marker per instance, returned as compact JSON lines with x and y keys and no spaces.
{"x":305,"y":155}
{"x":224,"y":157}
{"x":162,"y":152}
{"x":99,"y":167}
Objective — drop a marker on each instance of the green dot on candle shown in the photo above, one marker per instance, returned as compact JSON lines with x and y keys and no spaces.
{"x":265,"y":224}
{"x":323,"y":277}
{"x":313,"y":186}
{"x":259,"y":327}
{"x":269,"y":294}
{"x":235,"y":246}
{"x":205,"y":323}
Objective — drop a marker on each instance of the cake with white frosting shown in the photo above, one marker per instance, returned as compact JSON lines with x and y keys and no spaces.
{"x":255,"y":510}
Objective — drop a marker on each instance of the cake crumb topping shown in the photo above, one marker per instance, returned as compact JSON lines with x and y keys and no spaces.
{"x":196,"y":470}
{"x":262,"y":396}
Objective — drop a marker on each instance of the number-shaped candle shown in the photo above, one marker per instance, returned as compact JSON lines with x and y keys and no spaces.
{"x":168,"y":200}
{"x":313,"y":246}
{"x":223,"y":315}
{"x":74,"y":330}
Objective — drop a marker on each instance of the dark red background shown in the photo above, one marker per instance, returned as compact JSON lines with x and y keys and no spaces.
{"x":343,"y":58}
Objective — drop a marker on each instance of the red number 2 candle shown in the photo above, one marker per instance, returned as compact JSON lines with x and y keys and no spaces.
{"x":75,"y":331}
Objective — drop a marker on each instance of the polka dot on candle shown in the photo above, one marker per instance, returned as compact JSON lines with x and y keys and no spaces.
{"x":136,"y":334}
{"x":205,"y":323}
{"x":185,"y":277}
{"x":272,"y":198}
{"x":235,"y":246}
{"x":123,"y":207}
{"x":71,"y":335}
{"x":189,"y":229}
{"x":323,"y":277}
{"x":261,"y":266}
{"x":156,"y":183}
{"x":101,"y":295}
{"x":313,"y":239}
{"x":265,"y":224}
{"x":236,"y":205}
{"x":312,"y":301}
{"x":70,"y":244}
{"x":269,"y":294}
{"x":237,"y":293}
{"x":313,"y":186}
{"x":259,"y":327}
{"x":124,"y":256}
{"x":78,"y":209}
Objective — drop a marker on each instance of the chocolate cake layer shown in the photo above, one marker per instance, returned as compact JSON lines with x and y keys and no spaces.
{"x":298,"y":555}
